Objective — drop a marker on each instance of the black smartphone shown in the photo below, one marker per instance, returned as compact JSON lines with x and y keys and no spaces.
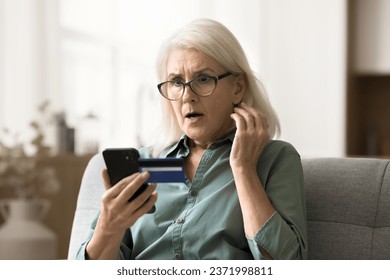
{"x":121,"y":163}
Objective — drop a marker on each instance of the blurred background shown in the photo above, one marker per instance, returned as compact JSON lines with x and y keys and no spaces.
{"x":77,"y":76}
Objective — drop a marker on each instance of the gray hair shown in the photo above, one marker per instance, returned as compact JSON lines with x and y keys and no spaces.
{"x":215,"y":41}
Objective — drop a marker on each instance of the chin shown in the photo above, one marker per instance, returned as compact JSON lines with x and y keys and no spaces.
{"x":196,"y":135}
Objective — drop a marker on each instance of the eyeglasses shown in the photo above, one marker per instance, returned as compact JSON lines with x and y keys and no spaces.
{"x":203,"y":85}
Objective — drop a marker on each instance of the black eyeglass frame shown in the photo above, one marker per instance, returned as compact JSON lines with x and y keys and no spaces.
{"x":216,"y":79}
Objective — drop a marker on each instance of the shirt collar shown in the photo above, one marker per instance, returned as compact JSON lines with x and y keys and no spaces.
{"x":181,"y":147}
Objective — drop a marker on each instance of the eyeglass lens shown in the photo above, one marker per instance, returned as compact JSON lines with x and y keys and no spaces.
{"x":202,"y":85}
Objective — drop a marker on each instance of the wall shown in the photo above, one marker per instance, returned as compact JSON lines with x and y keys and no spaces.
{"x":21,"y":51}
{"x":303,"y":65}
{"x":372,"y":38}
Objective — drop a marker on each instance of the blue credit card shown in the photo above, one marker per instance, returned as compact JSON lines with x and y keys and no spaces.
{"x":163,"y":170}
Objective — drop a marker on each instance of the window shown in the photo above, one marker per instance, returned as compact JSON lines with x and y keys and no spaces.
{"x":96,"y":57}
{"x":107,"y":51}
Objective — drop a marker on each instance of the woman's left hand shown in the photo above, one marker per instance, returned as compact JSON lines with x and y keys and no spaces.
{"x":251,"y":136}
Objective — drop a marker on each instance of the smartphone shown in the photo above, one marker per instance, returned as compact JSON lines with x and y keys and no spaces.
{"x":121,"y":163}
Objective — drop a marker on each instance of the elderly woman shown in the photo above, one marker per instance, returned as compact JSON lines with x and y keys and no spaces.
{"x":243,"y":197}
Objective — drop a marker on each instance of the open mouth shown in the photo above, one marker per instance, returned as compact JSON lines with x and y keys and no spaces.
{"x":193,"y":115}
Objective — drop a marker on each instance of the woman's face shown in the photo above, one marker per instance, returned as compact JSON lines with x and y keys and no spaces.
{"x":204,"y":119}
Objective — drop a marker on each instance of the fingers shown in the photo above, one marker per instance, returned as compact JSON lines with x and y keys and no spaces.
{"x":247,"y":117}
{"x":139,"y":199}
{"x":251,"y":136}
{"x":143,"y":202}
{"x":114,"y":191}
{"x":239,"y":120}
{"x":106,"y":179}
{"x":146,"y":205}
{"x":132,"y":185}
{"x":127,"y":187}
{"x":250,"y":115}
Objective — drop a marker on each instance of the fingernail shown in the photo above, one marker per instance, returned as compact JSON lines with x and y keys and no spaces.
{"x":144,"y":174}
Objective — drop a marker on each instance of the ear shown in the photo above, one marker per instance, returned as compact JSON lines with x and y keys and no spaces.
{"x":240,"y":89}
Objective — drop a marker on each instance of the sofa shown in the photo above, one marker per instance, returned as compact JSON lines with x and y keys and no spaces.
{"x":348,"y":207}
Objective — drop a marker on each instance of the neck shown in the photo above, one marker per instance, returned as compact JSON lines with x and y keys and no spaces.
{"x":204,"y":145}
{"x":196,"y":145}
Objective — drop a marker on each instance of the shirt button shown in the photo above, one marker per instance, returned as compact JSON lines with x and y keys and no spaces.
{"x":180,"y":221}
{"x":178,"y":255}
{"x":193,"y":192}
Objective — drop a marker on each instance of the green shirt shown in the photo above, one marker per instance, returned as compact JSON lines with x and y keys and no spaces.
{"x":202,"y":219}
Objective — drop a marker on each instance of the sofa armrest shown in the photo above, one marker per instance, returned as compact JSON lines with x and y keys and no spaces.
{"x":88,"y":203}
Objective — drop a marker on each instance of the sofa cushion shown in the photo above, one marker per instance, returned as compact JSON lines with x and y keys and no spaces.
{"x":347,"y":208}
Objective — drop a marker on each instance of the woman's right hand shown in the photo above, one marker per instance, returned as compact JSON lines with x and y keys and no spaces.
{"x":118,"y":214}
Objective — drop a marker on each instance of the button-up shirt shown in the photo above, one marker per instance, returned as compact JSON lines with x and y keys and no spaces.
{"x":202,"y":218}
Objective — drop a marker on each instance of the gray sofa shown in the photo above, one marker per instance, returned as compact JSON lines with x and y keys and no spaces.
{"x":348,"y":207}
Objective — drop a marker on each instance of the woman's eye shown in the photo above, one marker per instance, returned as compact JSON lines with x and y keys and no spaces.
{"x":203,"y":79}
{"x":177,"y":83}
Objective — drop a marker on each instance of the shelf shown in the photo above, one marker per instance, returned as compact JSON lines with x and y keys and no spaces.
{"x":369,"y":116}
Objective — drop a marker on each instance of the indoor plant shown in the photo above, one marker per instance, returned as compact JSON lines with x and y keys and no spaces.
{"x":20,"y":170}
{"x":23,"y":235}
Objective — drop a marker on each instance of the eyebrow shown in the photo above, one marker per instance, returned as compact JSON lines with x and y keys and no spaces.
{"x":194,"y":74}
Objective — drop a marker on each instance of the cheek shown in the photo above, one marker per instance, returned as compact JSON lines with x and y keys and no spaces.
{"x":177,"y":111}
{"x":222,"y":108}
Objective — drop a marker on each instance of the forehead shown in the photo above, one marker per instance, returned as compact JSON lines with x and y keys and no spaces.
{"x":181,"y":60}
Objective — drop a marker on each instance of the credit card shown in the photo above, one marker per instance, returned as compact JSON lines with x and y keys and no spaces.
{"x":163,"y":170}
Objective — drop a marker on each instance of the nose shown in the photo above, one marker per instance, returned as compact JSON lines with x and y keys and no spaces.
{"x":188,"y":95}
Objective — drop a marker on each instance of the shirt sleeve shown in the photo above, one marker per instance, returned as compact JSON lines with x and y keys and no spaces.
{"x":124,"y":251}
{"x":283,"y":236}
{"x":276,"y":238}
